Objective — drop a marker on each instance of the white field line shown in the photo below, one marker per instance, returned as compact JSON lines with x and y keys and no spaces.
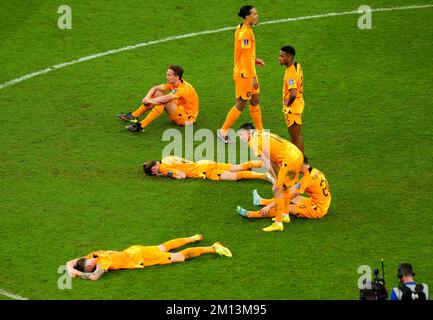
{"x":193,"y":34}
{"x":11,"y":295}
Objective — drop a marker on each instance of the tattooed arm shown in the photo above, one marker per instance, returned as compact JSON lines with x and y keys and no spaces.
{"x":95,"y":275}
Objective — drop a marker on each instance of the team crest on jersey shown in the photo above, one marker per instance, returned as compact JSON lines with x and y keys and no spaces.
{"x":298,"y":185}
{"x":291,"y":82}
{"x":246,"y":42}
{"x":173,"y":91}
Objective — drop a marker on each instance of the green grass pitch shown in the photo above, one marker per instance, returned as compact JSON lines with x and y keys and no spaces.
{"x":70,"y":177}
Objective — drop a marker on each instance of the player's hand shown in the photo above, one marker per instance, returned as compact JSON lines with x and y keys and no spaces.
{"x":265,"y":211}
{"x":275,"y":188}
{"x":255,"y":83}
{"x":145,"y":101}
{"x":260,"y":63}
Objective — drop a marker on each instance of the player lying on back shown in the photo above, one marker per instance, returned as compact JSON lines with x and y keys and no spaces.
{"x":313,"y":184}
{"x":95,"y":264}
{"x":179,"y":168}
{"x":177,"y":97}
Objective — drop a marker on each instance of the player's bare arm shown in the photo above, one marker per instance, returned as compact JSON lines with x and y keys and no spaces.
{"x":259,"y":62}
{"x":70,"y":267}
{"x":95,"y":275}
{"x":159,"y":100}
{"x":179,"y":175}
{"x":153,"y":90}
{"x":292,"y":97}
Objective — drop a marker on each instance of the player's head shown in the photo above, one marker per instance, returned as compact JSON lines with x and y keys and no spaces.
{"x":85,"y":265}
{"x":287,"y":55}
{"x":174,"y":73}
{"x":245,"y":131}
{"x":151,"y":167}
{"x":249,"y":14}
{"x":405,"y":272}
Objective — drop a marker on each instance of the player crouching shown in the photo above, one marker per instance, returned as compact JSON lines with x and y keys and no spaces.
{"x":315,"y":206}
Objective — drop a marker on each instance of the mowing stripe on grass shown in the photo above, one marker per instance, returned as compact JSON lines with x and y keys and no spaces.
{"x":194,"y":34}
{"x":11,"y":295}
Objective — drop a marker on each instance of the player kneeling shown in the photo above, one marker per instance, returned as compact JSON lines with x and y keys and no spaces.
{"x":179,"y":168}
{"x":177,"y":97}
{"x":313,"y":184}
{"x":95,"y":264}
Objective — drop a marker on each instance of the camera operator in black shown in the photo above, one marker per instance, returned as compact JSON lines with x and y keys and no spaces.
{"x":408,"y":289}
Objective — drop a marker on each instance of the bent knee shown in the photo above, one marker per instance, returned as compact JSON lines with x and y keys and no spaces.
{"x":162,"y":248}
{"x":177,"y":257}
{"x":255,"y":100}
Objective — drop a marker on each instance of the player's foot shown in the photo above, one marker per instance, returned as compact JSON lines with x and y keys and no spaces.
{"x":127,"y":117}
{"x":270,"y":178}
{"x":197,"y":237}
{"x":136,"y":127}
{"x":226,"y":139}
{"x":286,"y":218}
{"x":274,"y":227}
{"x":242,"y":211}
{"x":256,"y":198}
{"x":221,"y":250}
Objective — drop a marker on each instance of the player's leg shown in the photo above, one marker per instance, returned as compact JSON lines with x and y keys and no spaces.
{"x":246,"y":165}
{"x":191,"y":253}
{"x":303,"y":208}
{"x":286,"y":177}
{"x":240,"y":175}
{"x":132,"y":116}
{"x":180,"y":242}
{"x":295,"y":136}
{"x":259,"y":214}
{"x":231,"y":118}
{"x":255,"y":112}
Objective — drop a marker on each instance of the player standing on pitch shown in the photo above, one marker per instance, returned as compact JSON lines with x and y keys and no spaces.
{"x":293,"y":98}
{"x":244,"y":73}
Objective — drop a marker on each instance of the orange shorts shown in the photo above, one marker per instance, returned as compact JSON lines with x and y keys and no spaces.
{"x":305,"y":209}
{"x":288,"y":173}
{"x":291,"y":118}
{"x":148,"y":255}
{"x":214,"y":171}
{"x":244,"y":88}
{"x":181,"y":117}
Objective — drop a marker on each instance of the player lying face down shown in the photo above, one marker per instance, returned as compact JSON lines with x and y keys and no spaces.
{"x":179,"y":168}
{"x":95,"y":264}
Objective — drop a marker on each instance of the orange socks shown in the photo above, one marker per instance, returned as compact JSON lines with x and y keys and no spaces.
{"x":279,"y":206}
{"x":176,"y":243}
{"x":265,"y":202}
{"x":256,"y":115}
{"x":250,"y":175}
{"x":257,"y":214}
{"x":141,"y":109}
{"x":195,"y":252}
{"x":252,"y":164}
{"x":231,"y":118}
{"x":155,"y":113}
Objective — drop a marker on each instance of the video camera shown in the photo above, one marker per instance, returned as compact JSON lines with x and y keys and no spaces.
{"x":378,"y":290}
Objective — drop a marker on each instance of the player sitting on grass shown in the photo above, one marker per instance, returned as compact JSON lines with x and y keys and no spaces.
{"x":177,"y":97}
{"x":313,"y":184}
{"x":179,"y":168}
{"x":95,"y":264}
{"x":277,"y":154}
